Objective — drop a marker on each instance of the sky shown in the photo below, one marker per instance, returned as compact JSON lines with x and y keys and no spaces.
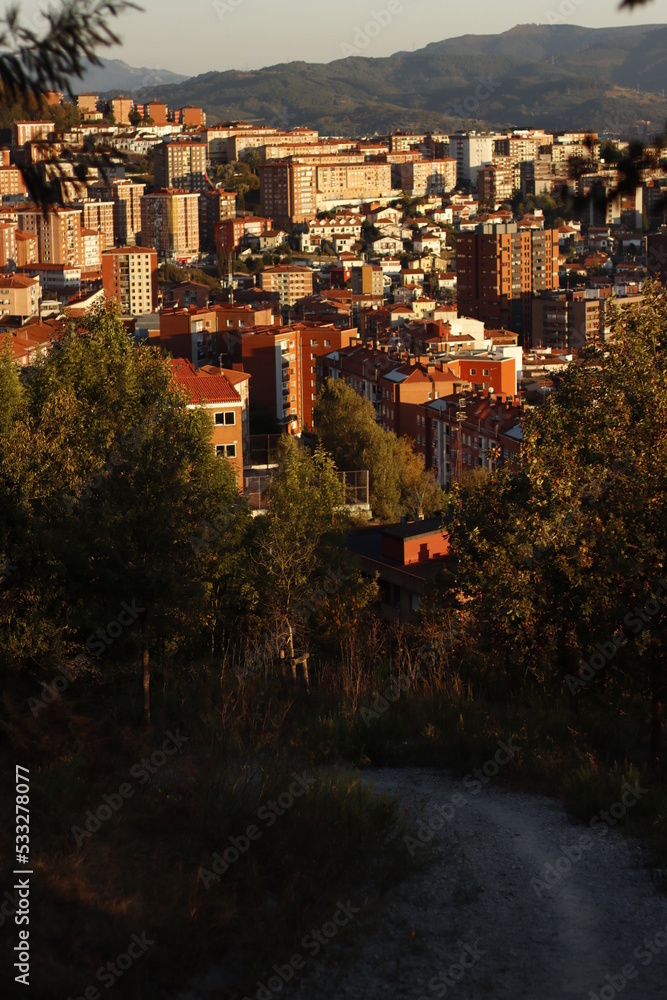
{"x":195,"y":36}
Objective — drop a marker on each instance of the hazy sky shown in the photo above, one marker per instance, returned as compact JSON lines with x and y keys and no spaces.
{"x":195,"y":36}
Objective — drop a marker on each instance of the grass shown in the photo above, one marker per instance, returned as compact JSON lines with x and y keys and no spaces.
{"x":151,"y":867}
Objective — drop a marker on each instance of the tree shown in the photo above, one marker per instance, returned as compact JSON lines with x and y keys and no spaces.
{"x":118,"y":478}
{"x":305,"y":517}
{"x":348,"y":429}
{"x":561,"y":558}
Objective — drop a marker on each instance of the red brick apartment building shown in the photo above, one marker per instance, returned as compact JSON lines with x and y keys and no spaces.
{"x":409,"y":385}
{"x":500,"y":271}
{"x":283,"y":364}
{"x":230,"y":232}
{"x":201,"y":335}
{"x":224,"y":394}
{"x":468,"y":432}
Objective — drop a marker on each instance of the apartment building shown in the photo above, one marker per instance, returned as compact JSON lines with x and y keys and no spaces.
{"x":272,"y":358}
{"x":471,"y":151}
{"x":368,"y":280}
{"x":296,"y":188}
{"x":231,"y":233}
{"x":290,"y":281}
{"x":467,"y":432}
{"x":567,"y":321}
{"x":7,"y":245}
{"x":91,"y":261}
{"x":125,"y":195}
{"x":58,"y":234}
{"x":190,"y":116}
{"x":121,"y":107}
{"x":24,"y":132}
{"x":408,"y":386}
{"x":288,"y":190}
{"x":202,"y":335}
{"x":98,"y":216}
{"x":129,"y":276}
{"x":87,"y":103}
{"x":214,"y":207}
{"x":424,"y":177}
{"x":12,"y":185}
{"x":20,"y":296}
{"x":27,"y":248}
{"x":170,"y":223}
{"x":500,"y":270}
{"x":181,"y":164}
{"x":496,"y":182}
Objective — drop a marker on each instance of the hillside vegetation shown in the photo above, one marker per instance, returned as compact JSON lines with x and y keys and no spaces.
{"x":558,"y":76}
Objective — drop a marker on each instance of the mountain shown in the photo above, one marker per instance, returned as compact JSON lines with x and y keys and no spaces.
{"x":116,"y":75}
{"x":559,"y":76}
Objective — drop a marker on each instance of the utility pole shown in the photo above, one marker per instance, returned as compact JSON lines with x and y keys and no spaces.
{"x":460,"y":417}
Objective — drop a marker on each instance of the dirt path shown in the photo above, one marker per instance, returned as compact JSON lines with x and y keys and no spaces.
{"x":484,"y":904}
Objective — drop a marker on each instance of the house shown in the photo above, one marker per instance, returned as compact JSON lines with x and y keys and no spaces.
{"x":402,"y":559}
{"x":224,"y":394}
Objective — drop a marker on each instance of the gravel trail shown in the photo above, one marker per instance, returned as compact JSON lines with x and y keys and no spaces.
{"x":480,"y":921}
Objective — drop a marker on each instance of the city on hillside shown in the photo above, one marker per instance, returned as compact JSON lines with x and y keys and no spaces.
{"x":333,"y":501}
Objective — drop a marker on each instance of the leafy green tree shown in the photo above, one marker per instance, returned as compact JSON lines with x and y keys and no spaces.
{"x":297,"y":540}
{"x":117,"y":477}
{"x":348,"y":429}
{"x":558,"y":559}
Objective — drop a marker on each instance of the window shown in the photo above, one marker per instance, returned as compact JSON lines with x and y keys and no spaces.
{"x":485,"y":371}
{"x":473,"y":371}
{"x":227,"y":418}
{"x":226,"y":450}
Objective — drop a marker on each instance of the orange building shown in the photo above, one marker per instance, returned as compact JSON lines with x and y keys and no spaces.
{"x":499,"y":271}
{"x":283,"y":364}
{"x":170,"y":223}
{"x":129,"y":275}
{"x":191,"y":117}
{"x":27,"y":248}
{"x":224,"y":394}
{"x":7,"y":245}
{"x":202,"y":335}
{"x":484,"y":371}
{"x":11,"y":181}
{"x":158,"y":111}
